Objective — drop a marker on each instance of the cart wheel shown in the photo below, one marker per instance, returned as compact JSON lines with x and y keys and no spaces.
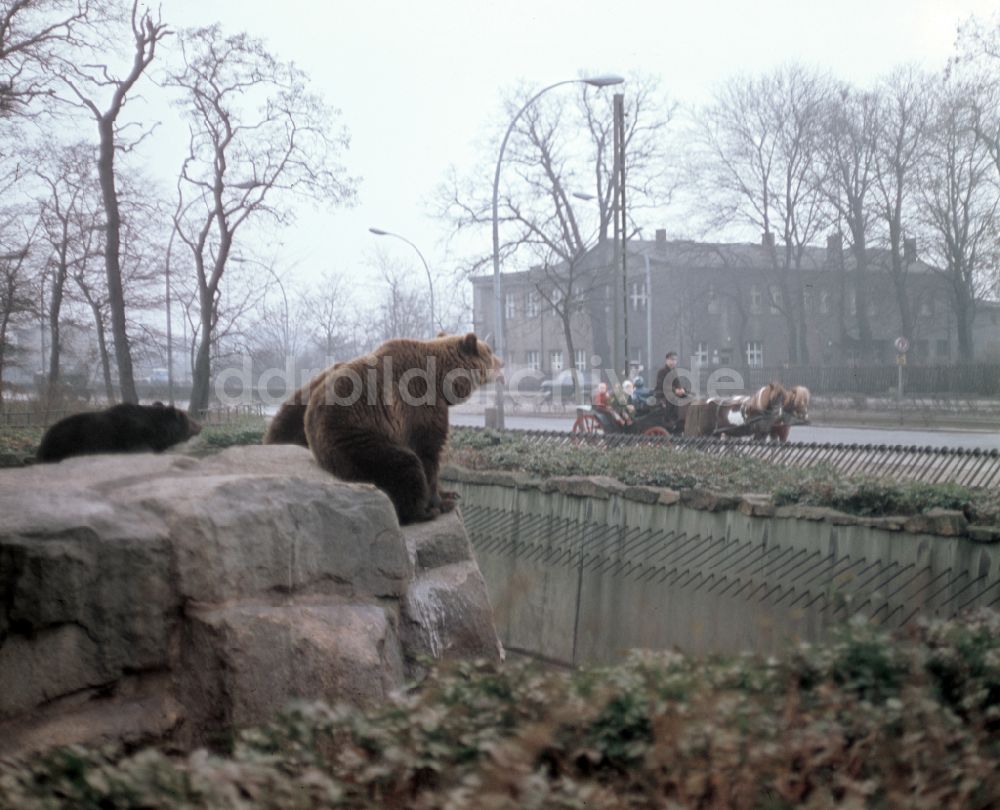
{"x":587,"y":423}
{"x":656,"y":431}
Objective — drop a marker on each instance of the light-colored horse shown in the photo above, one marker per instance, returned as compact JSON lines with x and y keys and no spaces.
{"x":794,"y":411}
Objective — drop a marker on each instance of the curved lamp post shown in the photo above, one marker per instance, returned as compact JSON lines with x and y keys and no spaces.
{"x":430,"y":280}
{"x":498,"y":346}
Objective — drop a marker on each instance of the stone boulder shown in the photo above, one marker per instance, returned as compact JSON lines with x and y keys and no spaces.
{"x":166,"y":598}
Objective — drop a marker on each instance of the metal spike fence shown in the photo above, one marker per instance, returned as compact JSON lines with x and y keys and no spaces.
{"x":968,"y":467}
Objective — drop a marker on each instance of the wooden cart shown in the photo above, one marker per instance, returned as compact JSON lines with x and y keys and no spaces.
{"x":658,"y":420}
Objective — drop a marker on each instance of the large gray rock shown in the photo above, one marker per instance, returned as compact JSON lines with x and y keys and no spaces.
{"x":186,"y":596}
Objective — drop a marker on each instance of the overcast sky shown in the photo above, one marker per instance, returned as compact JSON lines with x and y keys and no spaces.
{"x":419,"y":82}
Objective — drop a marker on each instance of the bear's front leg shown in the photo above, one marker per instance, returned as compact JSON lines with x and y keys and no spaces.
{"x":427,"y":444}
{"x":395,"y":470}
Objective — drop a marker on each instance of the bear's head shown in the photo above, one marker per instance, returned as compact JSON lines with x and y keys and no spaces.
{"x":471,"y":364}
{"x":175,"y":425}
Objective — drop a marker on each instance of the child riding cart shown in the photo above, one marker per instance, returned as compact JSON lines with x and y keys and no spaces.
{"x":612,"y":413}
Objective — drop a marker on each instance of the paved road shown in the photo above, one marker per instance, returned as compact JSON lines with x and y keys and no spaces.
{"x":811,"y":433}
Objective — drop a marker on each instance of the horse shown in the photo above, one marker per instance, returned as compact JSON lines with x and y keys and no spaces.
{"x":794,"y":411}
{"x":737,"y":416}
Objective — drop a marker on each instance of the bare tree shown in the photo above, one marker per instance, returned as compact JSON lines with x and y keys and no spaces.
{"x":561,"y":147}
{"x":242,"y":293}
{"x":32,"y":34}
{"x":847,"y":173}
{"x":760,"y":140}
{"x":977,"y":65}
{"x":92,"y":285}
{"x":86,"y":82}
{"x":328,"y":311}
{"x":401,"y":310}
{"x":17,"y":284}
{"x":68,"y":222}
{"x":900,"y":145}
{"x":257,"y":135}
{"x":960,"y":205}
{"x":142,"y":237}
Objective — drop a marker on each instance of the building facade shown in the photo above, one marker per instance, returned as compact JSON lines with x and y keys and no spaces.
{"x":723,"y":305}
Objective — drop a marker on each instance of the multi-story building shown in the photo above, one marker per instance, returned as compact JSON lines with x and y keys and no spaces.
{"x":723,"y":305}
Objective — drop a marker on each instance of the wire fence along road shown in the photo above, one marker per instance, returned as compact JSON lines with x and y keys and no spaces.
{"x":973,"y":468}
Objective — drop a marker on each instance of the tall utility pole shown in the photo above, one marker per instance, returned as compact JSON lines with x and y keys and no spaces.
{"x":621,"y":246}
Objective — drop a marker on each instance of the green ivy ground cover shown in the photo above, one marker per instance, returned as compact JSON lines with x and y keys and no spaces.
{"x":679,"y":468}
{"x":862,"y":722}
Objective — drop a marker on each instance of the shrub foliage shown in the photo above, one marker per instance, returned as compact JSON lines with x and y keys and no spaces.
{"x":864,"y":721}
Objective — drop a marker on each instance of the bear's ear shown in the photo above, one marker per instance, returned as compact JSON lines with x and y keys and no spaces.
{"x":470,"y":343}
{"x":158,"y":404}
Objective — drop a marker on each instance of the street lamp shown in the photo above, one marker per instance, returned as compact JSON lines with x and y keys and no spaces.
{"x":430,"y":280}
{"x":593,"y":81}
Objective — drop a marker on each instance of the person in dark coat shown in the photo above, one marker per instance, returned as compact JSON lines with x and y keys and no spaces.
{"x":670,"y":363}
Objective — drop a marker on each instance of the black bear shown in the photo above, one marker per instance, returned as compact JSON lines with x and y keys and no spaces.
{"x":121,"y":428}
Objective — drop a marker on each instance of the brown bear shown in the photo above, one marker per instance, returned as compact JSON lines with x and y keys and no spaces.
{"x":123,"y":428}
{"x":383,"y":418}
{"x":289,"y":424}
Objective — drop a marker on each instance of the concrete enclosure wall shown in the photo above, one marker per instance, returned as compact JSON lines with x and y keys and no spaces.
{"x":581,"y":570}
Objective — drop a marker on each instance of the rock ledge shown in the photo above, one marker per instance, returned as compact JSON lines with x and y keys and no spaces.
{"x":164,"y":598}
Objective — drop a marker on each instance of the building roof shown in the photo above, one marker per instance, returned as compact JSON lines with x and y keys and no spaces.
{"x":717,"y":255}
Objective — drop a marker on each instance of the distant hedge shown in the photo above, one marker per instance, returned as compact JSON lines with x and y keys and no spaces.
{"x":863,"y":722}
{"x":682,"y":468}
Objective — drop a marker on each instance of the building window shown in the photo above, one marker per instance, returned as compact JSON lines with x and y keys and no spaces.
{"x":555,"y":361}
{"x":531,"y":358}
{"x":755,"y":354}
{"x":776,"y":300}
{"x":808,"y":303}
{"x":556,"y":298}
{"x":700,"y":356}
{"x":637,"y":295}
{"x":852,"y":303}
{"x":756,"y":300}
{"x":510,"y":305}
{"x":872,"y":307}
{"x":943,"y":348}
{"x":824,"y":302}
{"x":581,"y":360}
{"x":531,"y":306}
{"x":927,"y":308}
{"x":713,"y":301}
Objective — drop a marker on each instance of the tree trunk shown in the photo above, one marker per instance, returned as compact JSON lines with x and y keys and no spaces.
{"x":791,"y":327}
{"x":571,"y":355}
{"x":55,"y":311}
{"x":899,"y":280}
{"x":202,"y":371}
{"x":964,"y":314}
{"x":112,"y":259}
{"x":799,"y":314}
{"x":861,"y":294}
{"x":102,"y":348}
{"x":3,"y":350}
